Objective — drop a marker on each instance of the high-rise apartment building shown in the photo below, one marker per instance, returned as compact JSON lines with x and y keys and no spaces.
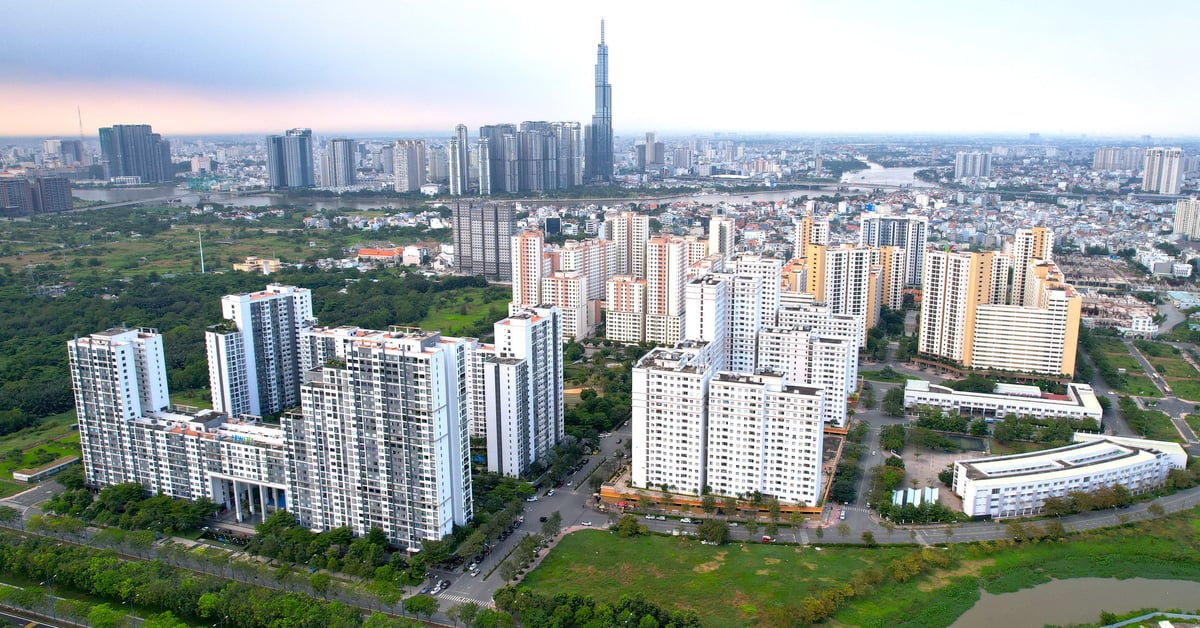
{"x":1162,"y":170}
{"x":599,"y":134}
{"x":1187,"y":218}
{"x":1028,"y":245}
{"x":134,"y":150}
{"x":804,"y":356}
{"x":960,"y":323}
{"x":255,"y":363}
{"x":524,"y":408}
{"x":483,"y":240}
{"x":458,"y":153}
{"x":666,"y":277}
{"x":595,"y":260}
{"x":341,"y":163}
{"x":529,"y":265}
{"x":972,"y":164}
{"x":1118,"y":158}
{"x":567,"y":290}
{"x":502,"y":157}
{"x":16,"y":196}
{"x":722,"y":233}
{"x":625,"y":309}
{"x":908,"y":233}
{"x":290,"y":159}
{"x":629,"y":232}
{"x":770,"y":271}
{"x":382,"y":441}
{"x":764,"y":438}
{"x":485,"y":166}
{"x":408,"y":162}
{"x":651,"y":156}
{"x":807,"y":232}
{"x":118,"y":376}
{"x":20,"y":196}
{"x":670,"y":418}
{"x":848,"y":279}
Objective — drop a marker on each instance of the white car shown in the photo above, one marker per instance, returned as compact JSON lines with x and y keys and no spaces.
{"x":650,"y":517}
{"x":532,"y":498}
{"x":550,"y":493}
{"x":586,"y":523}
{"x":685,"y":520}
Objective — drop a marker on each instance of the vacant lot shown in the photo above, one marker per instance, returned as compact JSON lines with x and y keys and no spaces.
{"x":727,"y":585}
{"x":35,"y":446}
{"x":1169,"y":362}
{"x":1137,"y":381}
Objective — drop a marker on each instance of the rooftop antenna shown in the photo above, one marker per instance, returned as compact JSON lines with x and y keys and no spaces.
{"x":201,"y":252}
{"x":601,"y":30}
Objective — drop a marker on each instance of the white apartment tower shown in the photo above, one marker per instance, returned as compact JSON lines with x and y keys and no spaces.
{"x":770,"y":271}
{"x":408,"y":165}
{"x":804,"y":357}
{"x":722,"y":233}
{"x":847,"y":279}
{"x":707,"y":316}
{"x":382,"y":440}
{"x":568,"y":291}
{"x":118,"y":375}
{"x":764,"y":437}
{"x":953,"y":286}
{"x":524,"y":398}
{"x":629,"y":232}
{"x":1162,"y":170}
{"x":670,"y":399}
{"x":1187,"y":218}
{"x":908,"y":232}
{"x":254,"y":360}
{"x":1028,"y":245}
{"x":808,"y":231}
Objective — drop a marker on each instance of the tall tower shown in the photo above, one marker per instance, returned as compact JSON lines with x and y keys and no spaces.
{"x":341,"y":163}
{"x":599,"y":140}
{"x":460,"y":162}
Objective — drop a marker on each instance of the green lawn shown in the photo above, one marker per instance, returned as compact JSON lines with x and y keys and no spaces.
{"x":726,"y":585}
{"x":1188,"y":389}
{"x":198,"y":398}
{"x":1005,"y":447}
{"x":1159,"y":427}
{"x":1193,"y":421}
{"x":876,"y":376}
{"x":34,"y":446}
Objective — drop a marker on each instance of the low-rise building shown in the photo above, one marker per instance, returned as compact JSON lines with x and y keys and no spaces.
{"x":1019,"y":485}
{"x":1079,"y":403}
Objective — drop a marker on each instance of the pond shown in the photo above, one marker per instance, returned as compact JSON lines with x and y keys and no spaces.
{"x":1078,"y":600}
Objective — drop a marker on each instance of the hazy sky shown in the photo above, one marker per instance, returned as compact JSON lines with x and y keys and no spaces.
{"x":958,"y":66}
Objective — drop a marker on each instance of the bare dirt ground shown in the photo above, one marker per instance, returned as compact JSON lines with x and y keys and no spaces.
{"x":923,"y":465}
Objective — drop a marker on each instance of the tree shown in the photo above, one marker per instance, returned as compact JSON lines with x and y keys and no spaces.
{"x":628,"y":525}
{"x":319,"y":582}
{"x":105,"y":616}
{"x":708,"y":504}
{"x":8,"y":515}
{"x":422,"y":605}
{"x":843,"y":529}
{"x":465,"y":612}
{"x":893,"y":401}
{"x":774,"y":508}
{"x":1156,"y":509}
{"x":162,"y":620}
{"x":552,"y":525}
{"x":714,"y":531}
{"x":508,"y":571}
{"x":868,"y":538}
{"x":730,"y":506}
{"x":820,"y":532}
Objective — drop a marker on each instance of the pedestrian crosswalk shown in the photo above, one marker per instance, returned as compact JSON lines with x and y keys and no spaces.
{"x":458,"y":599}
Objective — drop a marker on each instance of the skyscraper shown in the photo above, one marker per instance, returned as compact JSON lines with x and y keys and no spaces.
{"x":290,"y":159}
{"x":1161,"y":173}
{"x":341,"y":163}
{"x":485,"y":167}
{"x":460,"y":162}
{"x":254,"y":360}
{"x":408,"y":159}
{"x":133,"y":150}
{"x":502,"y":157}
{"x":1187,"y":219}
{"x":599,"y":140}
{"x":973,"y":164}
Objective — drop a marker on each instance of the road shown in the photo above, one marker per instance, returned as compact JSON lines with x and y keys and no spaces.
{"x":572,"y":503}
{"x":11,"y":618}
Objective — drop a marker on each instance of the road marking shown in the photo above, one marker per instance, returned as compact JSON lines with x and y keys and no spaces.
{"x":460,"y":599}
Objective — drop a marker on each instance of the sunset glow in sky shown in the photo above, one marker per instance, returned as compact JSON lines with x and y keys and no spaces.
{"x":412,"y":67}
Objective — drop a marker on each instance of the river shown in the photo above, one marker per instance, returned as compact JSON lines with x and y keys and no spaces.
{"x":1077,"y":601}
{"x":861,"y":180}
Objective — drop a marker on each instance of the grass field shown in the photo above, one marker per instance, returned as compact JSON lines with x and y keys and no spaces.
{"x":726,"y":585}
{"x":876,"y":376}
{"x":35,"y":446}
{"x":1181,"y":376}
{"x":1137,"y":381}
{"x":466,"y":310}
{"x":198,"y":398}
{"x":1005,"y":448}
{"x":1193,"y":421}
{"x":731,"y":584}
{"x":1159,"y":427}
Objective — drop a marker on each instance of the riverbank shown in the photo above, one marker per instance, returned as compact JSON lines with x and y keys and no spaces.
{"x":889,"y":585}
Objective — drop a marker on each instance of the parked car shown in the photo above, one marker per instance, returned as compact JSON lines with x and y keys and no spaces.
{"x":531,"y":498}
{"x":661,"y":518}
{"x":586,"y":523}
{"x":474,"y":572}
{"x":542,"y":518}
{"x":685,"y":520}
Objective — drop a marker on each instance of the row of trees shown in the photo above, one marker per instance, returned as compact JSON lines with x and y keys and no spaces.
{"x":100,"y":573}
{"x":129,"y":507}
{"x":281,"y":537}
{"x":568,"y":610}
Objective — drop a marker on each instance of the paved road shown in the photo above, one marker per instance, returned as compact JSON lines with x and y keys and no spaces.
{"x":11,"y":618}
{"x":573,"y":503}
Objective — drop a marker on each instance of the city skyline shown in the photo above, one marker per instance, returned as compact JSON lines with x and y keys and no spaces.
{"x":804,"y":68}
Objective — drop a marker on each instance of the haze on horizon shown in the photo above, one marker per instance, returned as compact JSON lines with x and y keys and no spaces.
{"x":945,"y":67}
